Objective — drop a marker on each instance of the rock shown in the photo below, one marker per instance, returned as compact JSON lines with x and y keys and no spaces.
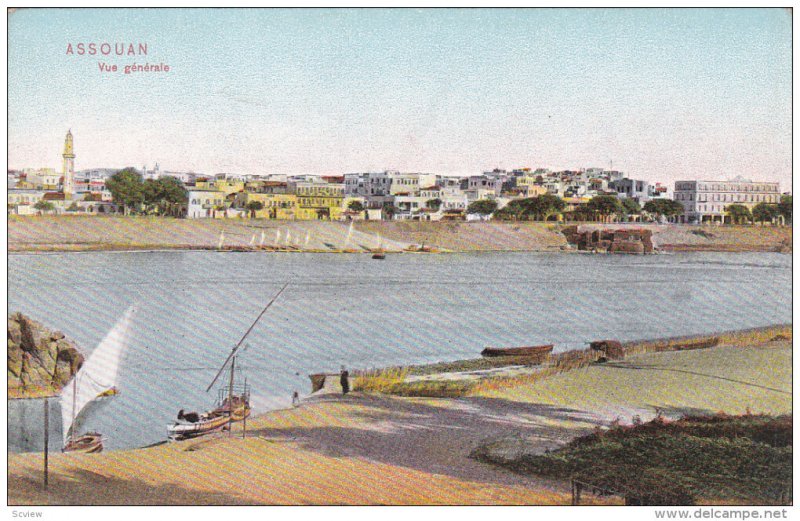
{"x":38,"y":360}
{"x":14,"y":331}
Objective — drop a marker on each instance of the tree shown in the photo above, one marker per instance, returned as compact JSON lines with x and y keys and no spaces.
{"x":763,"y":212}
{"x":739,"y":213}
{"x":355,"y":206}
{"x":253,"y":207}
{"x":163,"y":195}
{"x":127,"y":189}
{"x":482,"y":207}
{"x":73,"y":207}
{"x":433,"y":204}
{"x":389,"y":210}
{"x":605,"y":205}
{"x":44,"y":206}
{"x":543,"y":206}
{"x":785,"y":207}
{"x":663,"y":207}
{"x":631,"y":206}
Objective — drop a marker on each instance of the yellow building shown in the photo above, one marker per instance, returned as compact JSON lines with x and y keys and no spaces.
{"x":226,"y":186}
{"x":320,"y":201}
{"x":276,"y":206}
{"x":40,"y":179}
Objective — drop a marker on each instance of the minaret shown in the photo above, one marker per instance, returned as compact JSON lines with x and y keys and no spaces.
{"x":69,"y":165}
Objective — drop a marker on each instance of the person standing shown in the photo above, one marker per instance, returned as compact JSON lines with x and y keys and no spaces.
{"x":344,"y":379}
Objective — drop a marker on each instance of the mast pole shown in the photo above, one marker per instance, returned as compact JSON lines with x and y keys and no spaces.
{"x":230,"y":398}
{"x":74,"y":399}
{"x":245,"y":403}
{"x":46,"y":436}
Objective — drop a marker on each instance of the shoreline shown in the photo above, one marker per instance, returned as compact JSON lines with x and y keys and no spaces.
{"x":49,"y":234}
{"x":413,"y":450}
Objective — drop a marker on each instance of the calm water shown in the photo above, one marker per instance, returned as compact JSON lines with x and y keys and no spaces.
{"x":192,"y":307}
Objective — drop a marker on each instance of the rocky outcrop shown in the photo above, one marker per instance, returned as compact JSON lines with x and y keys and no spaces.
{"x":40,"y":361}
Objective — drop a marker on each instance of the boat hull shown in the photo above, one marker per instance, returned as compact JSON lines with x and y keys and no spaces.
{"x":183,"y":431}
{"x":89,"y":443}
{"x":518,"y":351}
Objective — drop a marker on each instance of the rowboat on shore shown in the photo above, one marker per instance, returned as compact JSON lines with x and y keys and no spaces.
{"x":88,"y":443}
{"x":518,"y":351}
{"x":191,"y":425}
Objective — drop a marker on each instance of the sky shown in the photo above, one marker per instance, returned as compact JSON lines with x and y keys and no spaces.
{"x":661,"y":94}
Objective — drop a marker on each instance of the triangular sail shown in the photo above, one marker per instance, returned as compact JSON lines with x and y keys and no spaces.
{"x":98,"y":375}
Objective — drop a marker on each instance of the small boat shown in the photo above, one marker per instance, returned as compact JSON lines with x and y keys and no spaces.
{"x":379,"y":255}
{"x":191,"y":425}
{"x":206,"y":423}
{"x":518,"y":351}
{"x":96,"y":380}
{"x":233,"y":402}
{"x":89,"y":443}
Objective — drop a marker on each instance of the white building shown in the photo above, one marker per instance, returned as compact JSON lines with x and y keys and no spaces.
{"x":705,"y":201}
{"x":203,"y":203}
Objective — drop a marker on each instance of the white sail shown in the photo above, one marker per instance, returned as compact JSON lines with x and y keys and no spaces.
{"x":308,"y":238}
{"x":221,"y":239}
{"x":98,"y":375}
{"x":262,"y":238}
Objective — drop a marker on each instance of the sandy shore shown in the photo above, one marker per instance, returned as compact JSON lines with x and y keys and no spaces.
{"x":82,"y":233}
{"x":370,"y":449}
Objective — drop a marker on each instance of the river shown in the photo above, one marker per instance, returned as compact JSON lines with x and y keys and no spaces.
{"x":340,"y":309}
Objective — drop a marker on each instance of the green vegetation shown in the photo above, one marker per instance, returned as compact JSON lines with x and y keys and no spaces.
{"x":433,"y":204}
{"x":763,"y":212}
{"x":482,"y":207}
{"x":631,"y":206}
{"x":699,"y":458}
{"x":355,"y":206}
{"x":605,"y":205}
{"x":164,"y":196}
{"x":740,"y":214}
{"x":44,"y":206}
{"x":538,"y":208}
{"x":253,"y":207}
{"x":663,"y":208}
{"x":785,"y":207}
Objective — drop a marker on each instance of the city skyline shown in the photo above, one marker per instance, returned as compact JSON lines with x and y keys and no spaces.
{"x":664,"y":94}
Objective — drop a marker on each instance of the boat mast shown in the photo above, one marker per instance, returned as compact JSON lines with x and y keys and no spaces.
{"x":74,"y":399}
{"x":230,"y":398}
{"x":239,"y":344}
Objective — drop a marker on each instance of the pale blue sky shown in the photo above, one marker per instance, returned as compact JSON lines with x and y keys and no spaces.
{"x":665,"y":94}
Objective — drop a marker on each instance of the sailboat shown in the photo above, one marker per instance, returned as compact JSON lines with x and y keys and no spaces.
{"x":379,"y":254}
{"x":96,"y":379}
{"x":233,"y":403}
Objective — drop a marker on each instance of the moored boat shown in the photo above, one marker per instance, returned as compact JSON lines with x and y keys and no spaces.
{"x":89,"y":443}
{"x":540,"y":350}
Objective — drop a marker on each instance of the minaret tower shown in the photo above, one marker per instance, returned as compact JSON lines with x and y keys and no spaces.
{"x":69,"y":165}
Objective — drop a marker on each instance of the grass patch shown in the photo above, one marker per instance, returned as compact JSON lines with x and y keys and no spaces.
{"x":695,"y":459}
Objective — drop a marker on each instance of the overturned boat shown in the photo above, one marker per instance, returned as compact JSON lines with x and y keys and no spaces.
{"x":525,"y":351}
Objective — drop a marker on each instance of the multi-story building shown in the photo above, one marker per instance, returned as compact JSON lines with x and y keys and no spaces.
{"x":631,"y":189}
{"x":367,"y":184}
{"x":317,"y":199}
{"x":275,"y":205}
{"x":42,"y":178}
{"x":705,"y":201}
{"x":205,"y":203}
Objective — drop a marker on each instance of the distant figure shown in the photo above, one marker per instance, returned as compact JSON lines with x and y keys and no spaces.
{"x":296,"y":399}
{"x":345,"y":381}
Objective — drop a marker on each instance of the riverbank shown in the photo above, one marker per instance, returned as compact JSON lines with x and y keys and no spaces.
{"x":114,"y":233}
{"x":376,"y":449}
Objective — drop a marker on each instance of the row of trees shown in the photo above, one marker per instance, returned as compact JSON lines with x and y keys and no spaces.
{"x":762,"y":212}
{"x":164,"y":196}
{"x":542,"y":207}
